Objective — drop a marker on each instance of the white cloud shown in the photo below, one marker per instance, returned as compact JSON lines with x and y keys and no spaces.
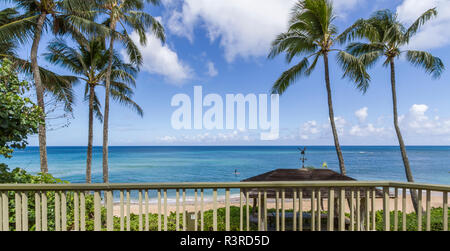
{"x":435,"y":33}
{"x":417,"y":122}
{"x":212,"y":71}
{"x":369,"y":130}
{"x":362,"y":114}
{"x":162,"y":60}
{"x":244,"y":28}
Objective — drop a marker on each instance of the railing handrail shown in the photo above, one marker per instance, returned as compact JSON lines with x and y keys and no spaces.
{"x":219,"y":185}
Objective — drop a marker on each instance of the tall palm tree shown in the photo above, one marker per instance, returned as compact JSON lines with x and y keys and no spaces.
{"x":62,"y":17}
{"x":387,"y":37}
{"x":59,"y":86}
{"x":123,"y":14}
{"x":90,"y":64}
{"x":311,"y":34}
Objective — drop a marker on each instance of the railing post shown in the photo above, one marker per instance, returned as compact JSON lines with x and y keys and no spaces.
{"x":342,"y":210}
{"x":331,"y":210}
{"x":44,"y":211}
{"x":57,"y":212}
{"x":109,"y":211}
{"x":5,"y":206}
{"x":215,"y":209}
{"x":386,"y":210}
{"x":37,"y":210}
{"x":24,"y":211}
{"x":18,"y":204}
{"x":227,"y":209}
{"x":419,"y":213}
{"x":445,"y":210}
{"x":97,"y":210}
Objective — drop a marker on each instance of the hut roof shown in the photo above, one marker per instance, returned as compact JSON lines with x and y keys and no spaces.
{"x":301,"y":175}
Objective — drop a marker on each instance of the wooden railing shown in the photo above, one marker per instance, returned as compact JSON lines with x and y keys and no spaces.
{"x":280,"y":206}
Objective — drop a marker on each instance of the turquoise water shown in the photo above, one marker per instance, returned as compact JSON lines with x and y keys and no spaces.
{"x":430,"y":164}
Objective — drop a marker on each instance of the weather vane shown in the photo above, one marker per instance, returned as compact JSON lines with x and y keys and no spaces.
{"x":303,"y":158}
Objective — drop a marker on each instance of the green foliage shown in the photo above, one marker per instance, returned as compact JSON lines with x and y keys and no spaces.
{"x":412,"y":220}
{"x":19,"y":116}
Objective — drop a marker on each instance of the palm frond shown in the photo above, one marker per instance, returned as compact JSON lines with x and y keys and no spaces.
{"x":354,"y":69}
{"x":432,"y":65}
{"x":290,"y":76}
{"x":425,"y":17}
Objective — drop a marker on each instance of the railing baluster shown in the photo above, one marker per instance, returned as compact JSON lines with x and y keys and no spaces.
{"x":201,"y":210}
{"x":352,"y":211}
{"x":37,"y":210}
{"x":319,"y":211}
{"x":445,"y":210}
{"x":63,"y":211}
{"x":265,"y":210}
{"x":247,"y":210}
{"x":396,"y":209}
{"x":147,"y":227}
{"x":1,"y":211}
{"x":44,"y":211}
{"x":159,"y":209}
{"x":183,"y":207}
{"x":76,"y":216}
{"x":177,"y":205}
{"x":428,"y":208}
{"x":342,"y":210}
{"x":300,"y":210}
{"x":367,"y":220}
{"x":109,"y":211}
{"x":18,"y":204}
{"x":419,"y":213}
{"x":57,"y":212}
{"x":128,"y":211}
{"x":277,"y":220}
{"x":294,"y":210}
{"x":331,"y":210}
{"x":215,"y":209}
{"x":195,"y":211}
{"x":5,"y":206}
{"x":358,"y":210}
{"x":313,"y":210}
{"x":404,"y":209}
{"x":165,"y":209}
{"x":373,"y":210}
{"x":82,"y":212}
{"x":140,"y":210}
{"x":241,"y":210}
{"x":227,"y":209}
{"x":76,"y":208}
{"x":24,"y":211}
{"x":259,"y":211}
{"x":122,"y":211}
{"x":386,"y":209}
{"x":97,"y":211}
{"x":283,"y":214}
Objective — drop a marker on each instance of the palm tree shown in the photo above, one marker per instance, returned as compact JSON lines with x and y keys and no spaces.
{"x":387,"y":37}
{"x":311,"y":34}
{"x":59,"y":86}
{"x":62,"y":17}
{"x":122,"y":14}
{"x":90,"y":64}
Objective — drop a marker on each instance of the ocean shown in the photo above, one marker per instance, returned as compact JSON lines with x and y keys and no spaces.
{"x":430,"y":164}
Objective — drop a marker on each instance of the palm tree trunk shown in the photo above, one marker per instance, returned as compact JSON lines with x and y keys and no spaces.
{"x":39,"y":92}
{"x":408,"y":171}
{"x":90,"y":134}
{"x":106,"y":113}
{"x":331,"y":113}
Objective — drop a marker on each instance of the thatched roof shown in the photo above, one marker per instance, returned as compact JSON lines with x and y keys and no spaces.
{"x":302,"y":175}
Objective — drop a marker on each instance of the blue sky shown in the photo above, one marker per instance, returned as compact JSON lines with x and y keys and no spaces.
{"x":222,"y":45}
